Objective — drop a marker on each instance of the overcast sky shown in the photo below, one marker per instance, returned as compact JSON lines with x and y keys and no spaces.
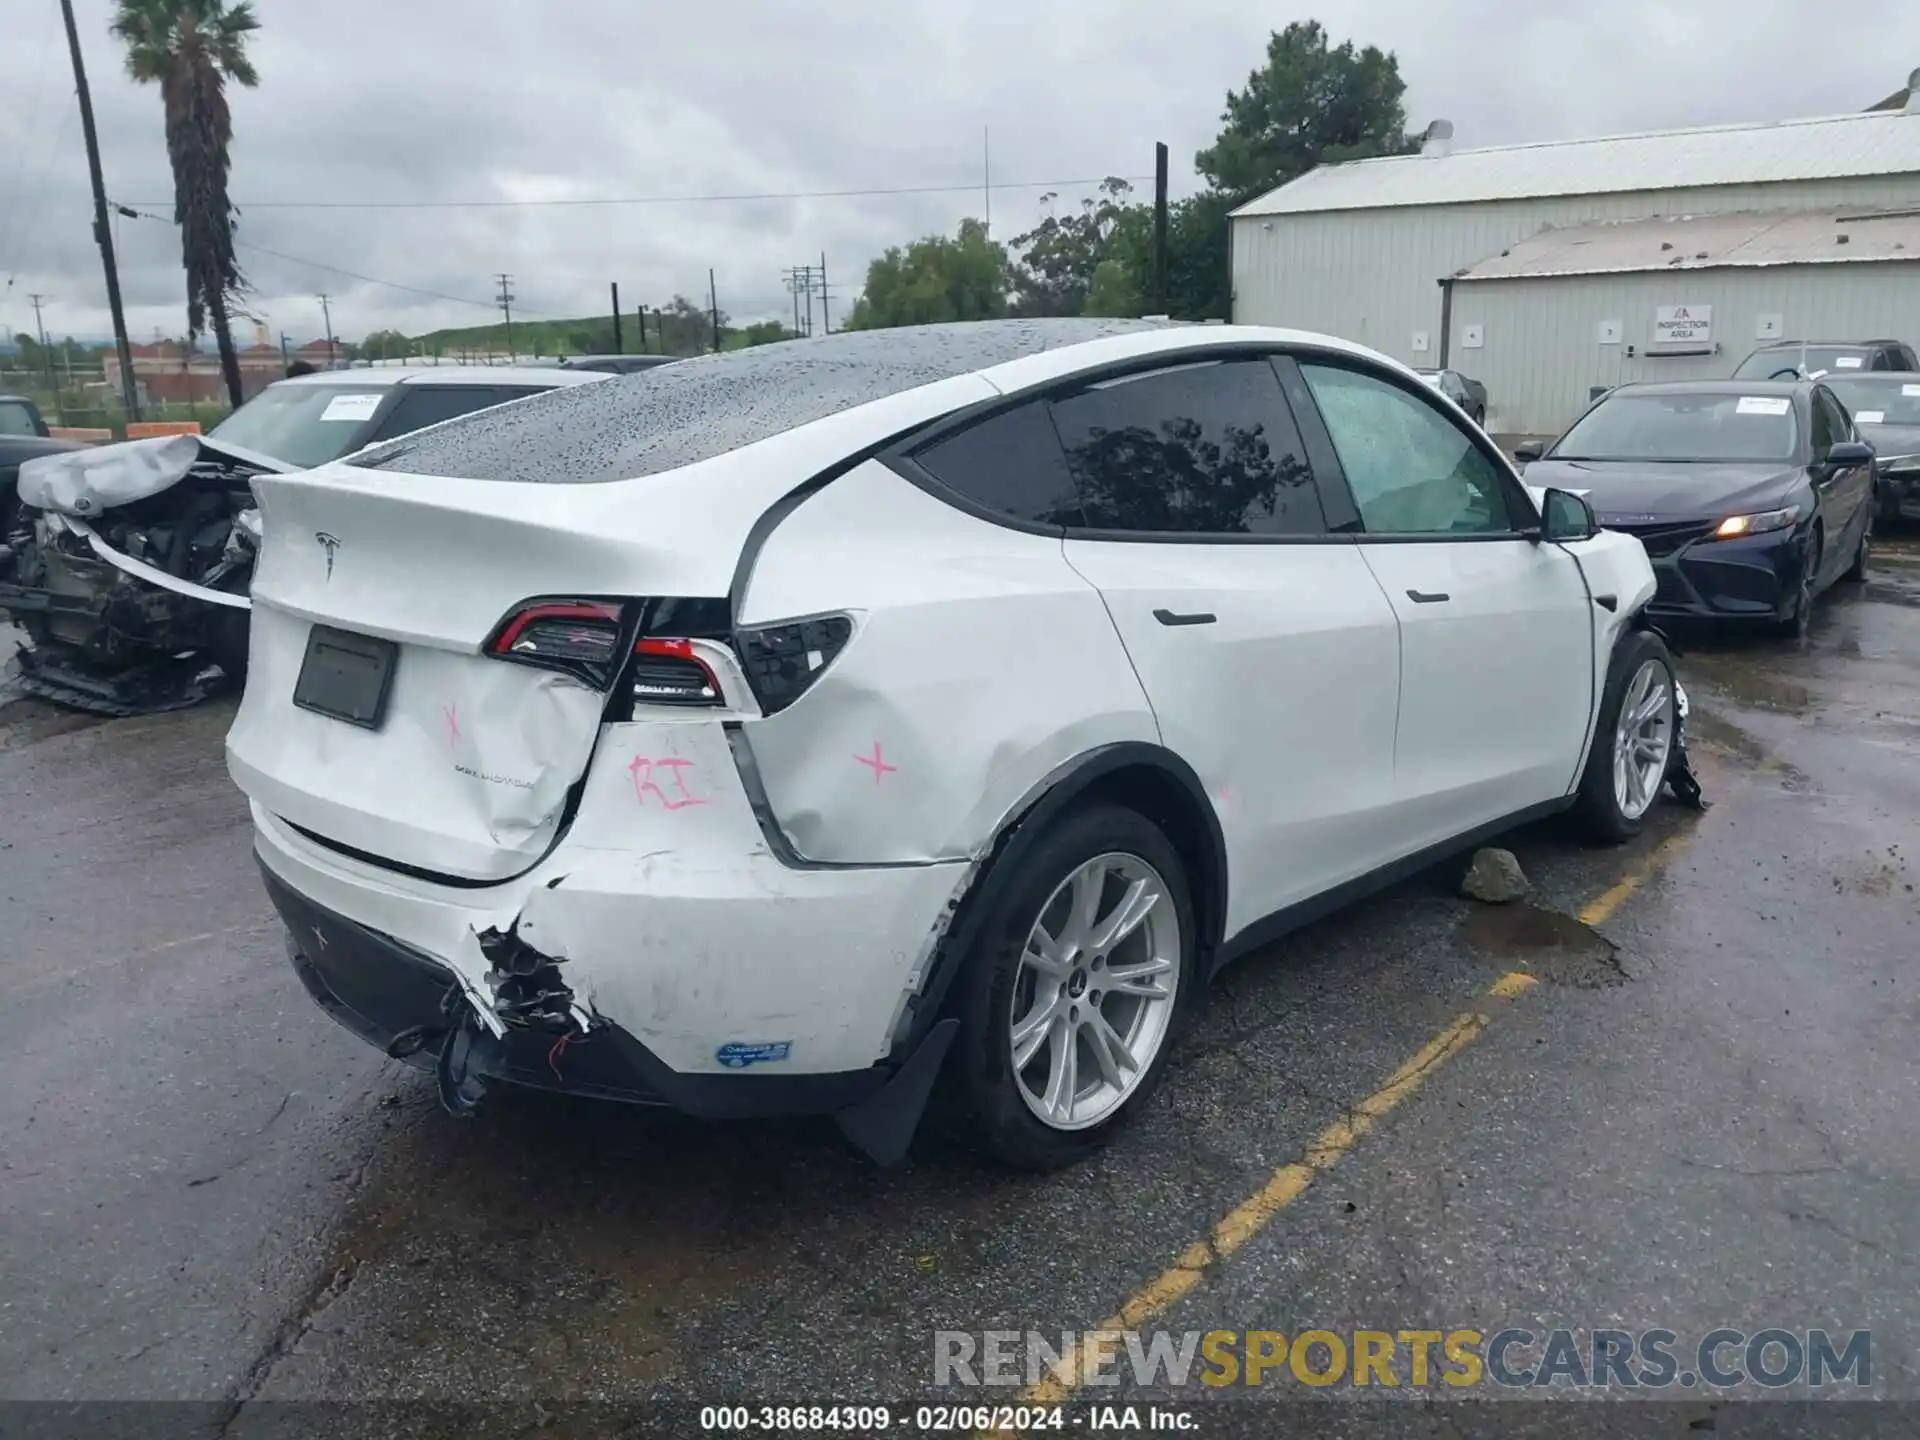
{"x":462,"y":100}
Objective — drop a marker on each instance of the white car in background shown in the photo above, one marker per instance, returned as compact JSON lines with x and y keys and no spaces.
{"x":777,"y":731}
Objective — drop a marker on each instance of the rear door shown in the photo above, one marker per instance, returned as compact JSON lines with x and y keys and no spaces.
{"x":1265,"y":647}
{"x":1496,"y":630}
{"x":1844,"y":492}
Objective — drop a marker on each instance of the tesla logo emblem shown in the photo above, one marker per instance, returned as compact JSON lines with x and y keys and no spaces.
{"x":329,"y":543}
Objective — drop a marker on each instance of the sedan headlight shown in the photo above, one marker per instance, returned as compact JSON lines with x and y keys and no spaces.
{"x":1735,"y":526}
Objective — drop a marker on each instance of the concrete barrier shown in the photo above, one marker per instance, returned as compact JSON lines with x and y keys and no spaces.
{"x":84,"y":435}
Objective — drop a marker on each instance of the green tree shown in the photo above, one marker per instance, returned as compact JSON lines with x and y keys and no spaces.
{"x":765,"y":332}
{"x":1059,"y":256}
{"x":1310,"y":104}
{"x":191,"y":48}
{"x":935,"y":279}
{"x":386,"y":345}
{"x":1114,"y":291}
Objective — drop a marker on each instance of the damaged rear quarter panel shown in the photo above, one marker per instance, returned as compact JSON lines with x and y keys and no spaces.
{"x":981,"y":663}
{"x":671,"y":918}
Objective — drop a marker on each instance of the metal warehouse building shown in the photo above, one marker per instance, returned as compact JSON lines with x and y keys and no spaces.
{"x":1549,"y":271}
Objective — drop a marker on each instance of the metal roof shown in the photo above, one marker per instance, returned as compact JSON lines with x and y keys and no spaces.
{"x":1874,"y":143}
{"x":1844,"y":236}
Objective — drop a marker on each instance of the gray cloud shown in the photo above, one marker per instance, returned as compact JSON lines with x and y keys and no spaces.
{"x":423,"y":100}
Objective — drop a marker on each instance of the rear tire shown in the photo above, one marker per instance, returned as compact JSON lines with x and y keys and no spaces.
{"x":1073,"y":1090}
{"x":1632,"y":742}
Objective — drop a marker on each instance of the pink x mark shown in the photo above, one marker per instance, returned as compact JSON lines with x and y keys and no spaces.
{"x":452,"y":714}
{"x":877,"y":763}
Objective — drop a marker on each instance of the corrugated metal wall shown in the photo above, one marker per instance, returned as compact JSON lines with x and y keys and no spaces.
{"x":1373,"y":275}
{"x":1541,"y":347}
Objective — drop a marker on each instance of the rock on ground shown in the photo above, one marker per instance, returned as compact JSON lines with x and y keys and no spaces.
{"x":1495,"y":877}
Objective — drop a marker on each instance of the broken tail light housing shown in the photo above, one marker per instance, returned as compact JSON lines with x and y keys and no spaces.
{"x":783,"y":660}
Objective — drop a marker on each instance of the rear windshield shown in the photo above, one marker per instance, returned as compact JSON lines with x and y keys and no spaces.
{"x":1873,"y":400}
{"x":1715,"y":426}
{"x":693,"y":410}
{"x":1814,"y":361}
{"x":302,"y":425}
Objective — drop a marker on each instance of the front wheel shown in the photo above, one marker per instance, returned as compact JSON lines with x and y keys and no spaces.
{"x":1632,"y":742}
{"x":1799,"y":618}
{"x":1070,"y":1002}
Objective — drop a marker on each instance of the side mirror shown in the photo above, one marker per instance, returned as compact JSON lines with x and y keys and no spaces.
{"x":1565,"y":516}
{"x":1529,"y":451}
{"x":1848,"y":453}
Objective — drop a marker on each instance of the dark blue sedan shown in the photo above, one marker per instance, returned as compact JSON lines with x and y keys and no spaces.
{"x":1750,"y":496}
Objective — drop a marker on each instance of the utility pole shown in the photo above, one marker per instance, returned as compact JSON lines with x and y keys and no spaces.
{"x":284,"y":361}
{"x":326,"y":314}
{"x":102,"y":229}
{"x":618,"y":347}
{"x":1160,"y":230}
{"x":40,"y":329}
{"x":826,"y":325}
{"x":506,"y":306}
{"x":640,"y":314}
{"x":713,"y":301}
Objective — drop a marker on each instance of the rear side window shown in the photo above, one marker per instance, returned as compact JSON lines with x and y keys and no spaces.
{"x":1207,"y":449}
{"x":1011,"y":465}
{"x":422,"y":405}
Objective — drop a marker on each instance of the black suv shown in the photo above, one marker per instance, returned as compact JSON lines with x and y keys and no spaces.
{"x":1791,"y":359}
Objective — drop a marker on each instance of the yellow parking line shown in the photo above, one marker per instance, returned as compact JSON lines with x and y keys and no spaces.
{"x":1651,"y":864}
{"x":1283,"y":1187}
{"x":1290,"y":1181}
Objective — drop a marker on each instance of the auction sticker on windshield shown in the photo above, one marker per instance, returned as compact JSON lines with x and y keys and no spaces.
{"x":1847,"y":362}
{"x":1869,"y":417}
{"x":351,"y":407}
{"x":1763,"y":405}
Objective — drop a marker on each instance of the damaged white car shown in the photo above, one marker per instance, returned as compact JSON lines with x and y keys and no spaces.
{"x":128,"y":565}
{"x":787,"y":730}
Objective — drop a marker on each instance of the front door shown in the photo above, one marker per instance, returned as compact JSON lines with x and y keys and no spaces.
{"x":1496,"y":629}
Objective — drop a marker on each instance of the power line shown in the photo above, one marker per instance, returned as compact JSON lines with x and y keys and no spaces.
{"x":969,"y":189}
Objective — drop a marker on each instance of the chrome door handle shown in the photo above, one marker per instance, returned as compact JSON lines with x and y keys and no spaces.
{"x":1199,"y":617}
{"x":1420,"y":597}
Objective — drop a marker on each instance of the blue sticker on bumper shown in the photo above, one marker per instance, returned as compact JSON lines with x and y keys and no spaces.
{"x":739,"y":1054}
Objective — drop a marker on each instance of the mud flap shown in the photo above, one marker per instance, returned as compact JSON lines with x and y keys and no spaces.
{"x":883,"y":1124}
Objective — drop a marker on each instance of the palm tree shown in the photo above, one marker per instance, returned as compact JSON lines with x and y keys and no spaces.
{"x":192,"y":48}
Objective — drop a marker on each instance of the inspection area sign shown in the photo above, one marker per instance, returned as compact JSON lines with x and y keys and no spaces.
{"x":1682,"y":324}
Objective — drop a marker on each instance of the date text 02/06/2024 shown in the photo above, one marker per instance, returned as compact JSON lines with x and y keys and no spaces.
{"x":944,"y":1419}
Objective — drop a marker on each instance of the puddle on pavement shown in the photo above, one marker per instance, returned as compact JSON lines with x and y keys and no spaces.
{"x":1741,"y":678}
{"x":1545,"y":943}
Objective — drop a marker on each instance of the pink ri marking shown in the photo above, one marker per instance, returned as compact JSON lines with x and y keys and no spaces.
{"x":876,"y":763}
{"x":641,"y":769}
{"x":452,"y":714}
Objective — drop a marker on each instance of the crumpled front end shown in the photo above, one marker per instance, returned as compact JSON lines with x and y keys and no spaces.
{"x":130,"y":574}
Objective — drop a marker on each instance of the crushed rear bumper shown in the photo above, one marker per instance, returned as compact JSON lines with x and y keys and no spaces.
{"x":412,"y":1007}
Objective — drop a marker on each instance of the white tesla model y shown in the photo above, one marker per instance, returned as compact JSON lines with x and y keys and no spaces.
{"x":822,"y":727}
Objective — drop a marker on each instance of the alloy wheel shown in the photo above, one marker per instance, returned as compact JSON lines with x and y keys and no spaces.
{"x":1643,"y":739}
{"x":1093,"y":999}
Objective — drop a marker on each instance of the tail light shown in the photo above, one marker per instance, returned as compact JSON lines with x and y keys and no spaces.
{"x":684,"y":652}
{"x":671,"y":672}
{"x":581,"y":637}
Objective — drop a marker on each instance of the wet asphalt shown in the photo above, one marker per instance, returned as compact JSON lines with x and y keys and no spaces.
{"x":1705,"y":1112}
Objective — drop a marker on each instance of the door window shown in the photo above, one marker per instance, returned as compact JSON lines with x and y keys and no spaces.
{"x":1827,"y":426}
{"x":1011,"y":465}
{"x":1208,"y":449}
{"x":1411,"y":469}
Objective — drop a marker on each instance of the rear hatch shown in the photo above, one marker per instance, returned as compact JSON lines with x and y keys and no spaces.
{"x":431,"y":658}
